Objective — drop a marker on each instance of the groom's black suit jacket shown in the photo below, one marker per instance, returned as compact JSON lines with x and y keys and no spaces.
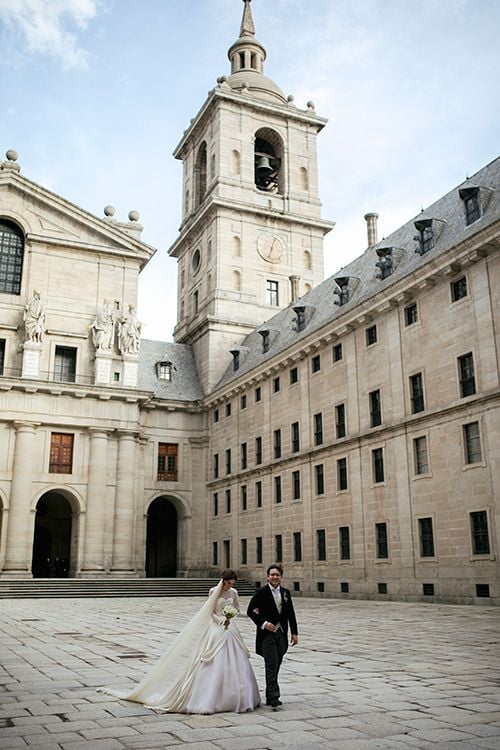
{"x":262,"y":608}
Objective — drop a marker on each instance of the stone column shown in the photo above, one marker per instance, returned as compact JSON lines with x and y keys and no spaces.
{"x":124,"y":517}
{"x":93,"y":558}
{"x":20,"y":527}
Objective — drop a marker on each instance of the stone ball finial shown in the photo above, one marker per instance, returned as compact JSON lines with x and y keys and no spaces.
{"x":290,"y":98}
{"x":11,"y":155}
{"x":134,"y":216}
{"x":109,"y":211}
{"x":310,"y":105}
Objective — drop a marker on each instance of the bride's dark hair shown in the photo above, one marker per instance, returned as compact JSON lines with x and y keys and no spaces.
{"x":228,"y":575}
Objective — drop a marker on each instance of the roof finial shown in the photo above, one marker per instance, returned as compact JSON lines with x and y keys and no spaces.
{"x":247,"y":24}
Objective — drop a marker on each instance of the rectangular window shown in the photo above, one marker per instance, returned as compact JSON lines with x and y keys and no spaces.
{"x":215,"y":498}
{"x":278,"y":548}
{"x":297,"y":546}
{"x":216,"y":465}
{"x":244,"y":551}
{"x":216,"y":415}
{"x":215,"y":553}
{"x":296,"y":485}
{"x":321,"y":544}
{"x":411,"y":314}
{"x":2,"y":355}
{"x":294,"y":375}
{"x":466,"y":375}
{"x":227,"y":552}
{"x":228,"y":501}
{"x":228,"y":409}
{"x":258,"y":393}
{"x":381,"y":541}
{"x":458,"y":289}
{"x":337,"y":352}
{"x":61,"y":453}
{"x":371,"y":335}
{"x":228,"y":460}
{"x":320,"y":479}
{"x":258,"y":494}
{"x":472,"y":205}
{"x":375,"y":409}
{"x":472,"y":443}
{"x":295,"y":437}
{"x":344,"y":543}
{"x":417,"y":393}
{"x":277,"y":490}
{"x":258,"y":550}
{"x":258,"y":450}
{"x":272,"y":288}
{"x":167,"y":462}
{"x":340,"y":425}
{"x":277,"y":443}
{"x":378,"y":465}
{"x":426,"y":537}
{"x":316,"y":363}
{"x":479,"y":530}
{"x":276,"y":384}
{"x":243,"y":401}
{"x":65,"y":364}
{"x":341,"y":474}
{"x":420,"y":459}
{"x":244,"y":455}
{"x":244,"y":497}
{"x":318,"y":429}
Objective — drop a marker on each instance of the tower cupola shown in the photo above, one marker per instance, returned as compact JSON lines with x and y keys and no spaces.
{"x":247,"y":57}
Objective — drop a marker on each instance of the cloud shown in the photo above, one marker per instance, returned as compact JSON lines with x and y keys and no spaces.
{"x":45,"y":27}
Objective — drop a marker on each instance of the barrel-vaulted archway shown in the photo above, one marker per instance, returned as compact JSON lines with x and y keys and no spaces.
{"x":55,"y":535}
{"x":161,"y":539}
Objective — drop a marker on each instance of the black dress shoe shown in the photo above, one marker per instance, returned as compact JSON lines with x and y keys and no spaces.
{"x":276,"y":703}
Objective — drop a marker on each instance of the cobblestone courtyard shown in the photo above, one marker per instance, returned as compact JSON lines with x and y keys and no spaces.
{"x":366,"y":675}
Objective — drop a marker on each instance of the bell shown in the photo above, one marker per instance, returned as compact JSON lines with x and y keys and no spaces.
{"x":263,"y":167}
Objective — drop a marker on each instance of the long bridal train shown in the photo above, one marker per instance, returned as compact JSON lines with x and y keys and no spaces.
{"x":206,"y":669}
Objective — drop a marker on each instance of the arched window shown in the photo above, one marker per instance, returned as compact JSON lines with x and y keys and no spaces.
{"x":236,"y":246}
{"x":200,"y":174}
{"x":268,"y":161}
{"x":11,"y":257}
{"x":236,"y":162}
{"x":236,"y":281}
{"x":304,"y":178}
{"x":307,"y":260}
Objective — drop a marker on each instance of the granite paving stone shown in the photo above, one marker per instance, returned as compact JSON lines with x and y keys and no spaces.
{"x":365,"y":676}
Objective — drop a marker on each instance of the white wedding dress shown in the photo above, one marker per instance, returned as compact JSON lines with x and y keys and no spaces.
{"x":206,"y":670}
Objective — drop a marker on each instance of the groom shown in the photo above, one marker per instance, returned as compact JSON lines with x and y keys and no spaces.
{"x":272,"y":611}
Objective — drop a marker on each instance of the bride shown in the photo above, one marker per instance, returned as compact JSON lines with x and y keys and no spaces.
{"x":206,"y":669}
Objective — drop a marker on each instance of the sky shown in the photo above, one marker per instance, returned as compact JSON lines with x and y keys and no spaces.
{"x":96,"y":94}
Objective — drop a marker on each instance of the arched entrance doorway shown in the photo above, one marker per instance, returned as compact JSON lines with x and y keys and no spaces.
{"x":52,"y":538}
{"x":161,"y":539}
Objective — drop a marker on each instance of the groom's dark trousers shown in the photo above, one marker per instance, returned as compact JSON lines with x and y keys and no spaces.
{"x":274,"y":648}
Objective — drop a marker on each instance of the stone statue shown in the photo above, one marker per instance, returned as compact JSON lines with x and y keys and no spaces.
{"x":130,"y":332}
{"x":103,"y":328}
{"x":34,"y":318}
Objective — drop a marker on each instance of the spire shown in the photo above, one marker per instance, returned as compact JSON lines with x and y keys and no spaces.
{"x":247,"y":25}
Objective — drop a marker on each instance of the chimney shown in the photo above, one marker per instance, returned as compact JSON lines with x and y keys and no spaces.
{"x":294,"y":287}
{"x":371,"y":227}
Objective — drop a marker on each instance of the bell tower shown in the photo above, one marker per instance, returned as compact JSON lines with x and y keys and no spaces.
{"x":251,"y":237}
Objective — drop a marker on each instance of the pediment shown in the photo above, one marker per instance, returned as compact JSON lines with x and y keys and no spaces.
{"x":46,"y":217}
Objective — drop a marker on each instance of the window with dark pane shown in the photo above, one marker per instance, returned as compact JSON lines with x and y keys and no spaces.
{"x":479,"y":530}
{"x":320,"y":479}
{"x":371,"y":335}
{"x":244,"y":551}
{"x":277,"y":490}
{"x":411,"y":314}
{"x":216,"y":465}
{"x":258,"y":550}
{"x":466,"y":375}
{"x":244,"y":455}
{"x":340,"y":424}
{"x":296,"y":485}
{"x":426,"y":537}
{"x":378,"y":465}
{"x":337,"y":352}
{"x":321,"y":544}
{"x":341,"y":474}
{"x":417,"y":393}
{"x":421,"y":462}
{"x":295,"y":437}
{"x":459,"y":289}
{"x":215,"y":500}
{"x":228,"y":501}
{"x":2,"y":356}
{"x":294,"y":375}
{"x":244,"y":497}
{"x":228,"y":460}
{"x":258,"y":494}
{"x":258,"y":450}
{"x":277,"y":443}
{"x":316,"y":363}
{"x":375,"y":408}
{"x":381,"y":541}
{"x":278,"y":548}
{"x":11,"y":258}
{"x":167,"y":462}
{"x":472,"y":443}
{"x":344,"y":543}
{"x":297,"y":546}
{"x":61,"y":453}
{"x":318,"y":429}
{"x":65,"y":364}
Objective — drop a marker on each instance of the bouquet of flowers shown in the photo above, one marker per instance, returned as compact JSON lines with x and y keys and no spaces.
{"x":229,"y":612}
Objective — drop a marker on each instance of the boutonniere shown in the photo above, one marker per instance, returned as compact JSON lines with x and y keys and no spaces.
{"x":285,"y":597}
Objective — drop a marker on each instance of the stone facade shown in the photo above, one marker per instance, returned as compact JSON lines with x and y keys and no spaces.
{"x":348,"y":427}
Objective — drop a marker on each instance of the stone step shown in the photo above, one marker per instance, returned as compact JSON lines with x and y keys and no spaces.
{"x":111,"y":587}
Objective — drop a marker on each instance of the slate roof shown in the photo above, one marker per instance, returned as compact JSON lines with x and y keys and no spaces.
{"x":319,"y":301}
{"x":184,"y":386}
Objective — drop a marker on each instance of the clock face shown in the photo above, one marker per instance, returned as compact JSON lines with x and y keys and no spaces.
{"x":270,"y":248}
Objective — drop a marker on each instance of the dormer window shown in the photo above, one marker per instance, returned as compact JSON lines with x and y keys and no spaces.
{"x":266,"y":340}
{"x":341,"y":294}
{"x":472,"y":204}
{"x":425,"y":236}
{"x":236,"y":359}
{"x":385,"y":262}
{"x":300,"y":320}
{"x":164,"y":370}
